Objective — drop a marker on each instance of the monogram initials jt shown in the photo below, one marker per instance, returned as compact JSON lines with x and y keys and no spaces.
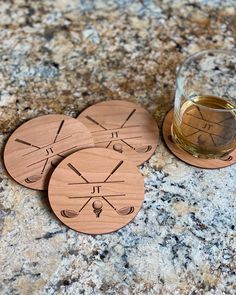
{"x":49,"y":151}
{"x":96,"y":188}
{"x":114,"y":134}
{"x":207,"y":126}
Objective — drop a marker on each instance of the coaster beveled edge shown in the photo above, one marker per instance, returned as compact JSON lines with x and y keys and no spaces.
{"x":188,"y":158}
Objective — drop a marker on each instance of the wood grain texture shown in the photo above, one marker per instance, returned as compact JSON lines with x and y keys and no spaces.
{"x":36,"y":147}
{"x":124,"y":127}
{"x":188,"y":158}
{"x":96,"y":191}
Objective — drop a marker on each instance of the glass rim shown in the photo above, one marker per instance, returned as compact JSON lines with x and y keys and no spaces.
{"x":192,"y":56}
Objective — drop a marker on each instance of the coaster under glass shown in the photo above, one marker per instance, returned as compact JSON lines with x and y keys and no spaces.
{"x":188,"y":158}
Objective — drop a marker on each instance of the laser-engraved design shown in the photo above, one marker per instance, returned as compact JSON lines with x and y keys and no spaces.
{"x":118,"y":147}
{"x":124,"y":127}
{"x":122,"y":211}
{"x":125,"y":210}
{"x":26,"y":143}
{"x":127,"y":119}
{"x":199,"y":128}
{"x":114,"y":134}
{"x":96,"y":189}
{"x":37,"y":147}
{"x":33,"y":178}
{"x":59,"y":130}
{"x":95,"y":122}
{"x":49,"y":154}
{"x":227,"y":157}
{"x":77,"y":172}
{"x":107,"y":196}
{"x":101,"y":186}
{"x":201,"y":139}
{"x":69,"y":213}
{"x":225,"y":161}
{"x":97,"y":207}
{"x":207,"y":126}
{"x":49,"y":151}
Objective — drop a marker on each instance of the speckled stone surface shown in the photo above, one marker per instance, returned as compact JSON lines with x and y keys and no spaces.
{"x":61,"y":56}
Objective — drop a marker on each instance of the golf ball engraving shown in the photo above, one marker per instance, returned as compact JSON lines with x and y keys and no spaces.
{"x":124,"y":127}
{"x":96,"y":191}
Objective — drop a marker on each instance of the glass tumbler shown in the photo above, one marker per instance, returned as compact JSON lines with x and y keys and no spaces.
{"x":204,"y":121}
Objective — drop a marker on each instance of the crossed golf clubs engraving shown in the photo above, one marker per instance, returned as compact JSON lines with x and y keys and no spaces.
{"x":49,"y":153}
{"x":115,"y":136}
{"x":97,"y":204}
{"x":206,"y":129}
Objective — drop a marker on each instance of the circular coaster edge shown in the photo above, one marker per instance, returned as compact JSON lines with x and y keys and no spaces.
{"x":96,"y":191}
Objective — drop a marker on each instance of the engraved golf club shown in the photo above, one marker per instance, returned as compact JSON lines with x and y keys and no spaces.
{"x":122,"y":211}
{"x":68,"y":213}
{"x":117,"y":146}
{"x":37,"y":177}
{"x":97,"y":204}
{"x":33,"y":178}
{"x":141,"y":149}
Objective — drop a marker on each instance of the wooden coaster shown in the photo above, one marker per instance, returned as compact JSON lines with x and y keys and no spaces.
{"x":96,"y":191}
{"x":188,"y":158}
{"x":124,"y":127}
{"x":36,"y":147}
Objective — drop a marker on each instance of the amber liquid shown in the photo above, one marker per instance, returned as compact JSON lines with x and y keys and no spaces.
{"x":206,"y":127}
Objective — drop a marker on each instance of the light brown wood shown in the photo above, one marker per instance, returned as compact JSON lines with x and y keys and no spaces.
{"x":124,"y":127}
{"x":188,"y":158}
{"x":36,"y":147}
{"x":96,"y":191}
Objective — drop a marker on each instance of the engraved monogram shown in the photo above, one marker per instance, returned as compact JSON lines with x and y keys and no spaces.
{"x":115,"y":136}
{"x":96,"y":193}
{"x":50,"y":156}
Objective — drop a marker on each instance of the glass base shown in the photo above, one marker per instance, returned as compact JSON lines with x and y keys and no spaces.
{"x":197,"y":152}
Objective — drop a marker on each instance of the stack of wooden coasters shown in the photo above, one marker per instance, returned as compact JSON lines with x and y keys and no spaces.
{"x":88,"y":164}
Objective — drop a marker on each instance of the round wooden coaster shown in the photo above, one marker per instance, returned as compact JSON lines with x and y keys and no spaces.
{"x":96,"y":191}
{"x":188,"y":158}
{"x":36,"y":147}
{"x":124,"y":127}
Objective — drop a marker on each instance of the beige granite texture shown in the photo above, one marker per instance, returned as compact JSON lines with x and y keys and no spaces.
{"x":61,"y":56}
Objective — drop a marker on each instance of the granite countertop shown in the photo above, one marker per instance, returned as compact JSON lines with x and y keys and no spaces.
{"x":62,"y":56}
